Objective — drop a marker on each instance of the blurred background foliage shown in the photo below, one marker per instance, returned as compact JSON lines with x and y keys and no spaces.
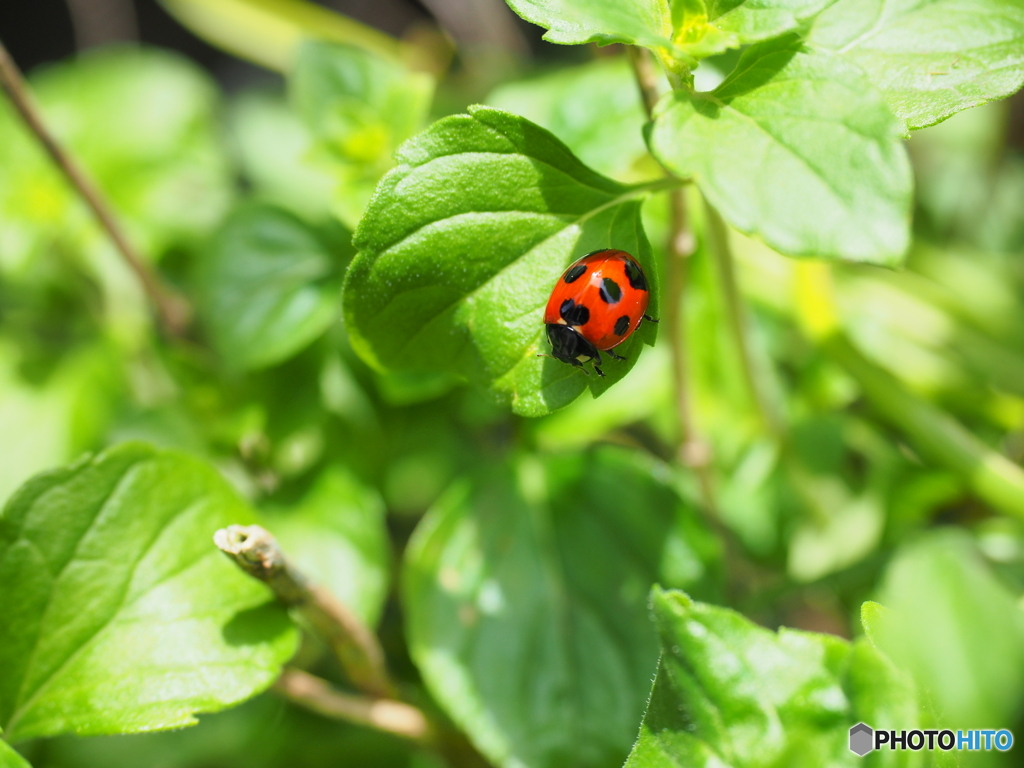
{"x":243,"y":182}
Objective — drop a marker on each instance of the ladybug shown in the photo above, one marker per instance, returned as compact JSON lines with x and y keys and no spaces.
{"x":595,"y":306}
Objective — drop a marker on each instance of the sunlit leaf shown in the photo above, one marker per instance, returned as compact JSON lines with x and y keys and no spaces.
{"x":119,"y":613}
{"x":462,"y":245}
{"x":638,"y":22}
{"x":526,"y":595}
{"x":731,"y":693}
{"x":683,"y":29}
{"x":798,"y":149}
{"x":931,"y":58}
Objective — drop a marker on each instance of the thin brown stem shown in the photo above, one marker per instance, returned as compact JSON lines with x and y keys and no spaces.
{"x":692,"y":452}
{"x":257,"y":553}
{"x":389,"y":715}
{"x":646,"y":77}
{"x":718,"y":237}
{"x":172,"y":309}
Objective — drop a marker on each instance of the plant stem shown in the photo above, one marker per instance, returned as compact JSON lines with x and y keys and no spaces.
{"x":173,"y":311}
{"x":257,"y":553}
{"x":718,"y":241}
{"x":320,"y":696}
{"x":646,"y":78}
{"x":692,"y":452}
{"x":934,"y":434}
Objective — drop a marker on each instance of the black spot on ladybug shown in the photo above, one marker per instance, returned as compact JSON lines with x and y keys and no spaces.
{"x":610,"y":291}
{"x":622,"y":325}
{"x":573,"y":313}
{"x":574,"y":274}
{"x":637,"y":279}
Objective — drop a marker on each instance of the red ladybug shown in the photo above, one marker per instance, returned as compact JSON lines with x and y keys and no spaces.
{"x":596,"y":304}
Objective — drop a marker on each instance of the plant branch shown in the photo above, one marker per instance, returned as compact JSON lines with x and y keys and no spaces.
{"x":173,"y":311}
{"x":646,"y":77}
{"x":389,"y":715}
{"x":257,"y":553}
{"x":691,"y":451}
{"x":718,"y":241}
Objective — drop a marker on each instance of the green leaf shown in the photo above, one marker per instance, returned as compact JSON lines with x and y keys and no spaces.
{"x":119,"y":613}
{"x":797,"y":148}
{"x":526,"y":600}
{"x":268,"y":286}
{"x":636,"y":22}
{"x":686,"y":30}
{"x":956,"y":627}
{"x":706,"y":27}
{"x":360,"y":107}
{"x":11,"y":759}
{"x":594,"y":108}
{"x":336,"y":535}
{"x":931,"y":58}
{"x":461,"y":246}
{"x":731,"y":693}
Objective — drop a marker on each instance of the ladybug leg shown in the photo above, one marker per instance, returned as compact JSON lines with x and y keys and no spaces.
{"x":597,"y":362}
{"x":614,"y":356}
{"x":650,"y":319}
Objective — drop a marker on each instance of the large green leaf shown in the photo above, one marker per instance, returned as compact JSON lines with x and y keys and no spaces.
{"x":931,"y":58}
{"x":731,"y":694}
{"x":683,"y":29}
{"x":706,"y":27}
{"x":119,"y":613}
{"x":336,"y":536}
{"x":360,"y":107}
{"x":797,"y":148}
{"x":462,"y":244}
{"x":638,"y":22}
{"x":526,"y":601}
{"x":269,"y":285}
{"x":11,"y":759}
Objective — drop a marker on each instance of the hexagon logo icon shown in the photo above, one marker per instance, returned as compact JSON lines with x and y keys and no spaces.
{"x":862,"y":739}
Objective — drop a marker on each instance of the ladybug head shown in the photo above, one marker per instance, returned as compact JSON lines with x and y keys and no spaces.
{"x":569,"y":346}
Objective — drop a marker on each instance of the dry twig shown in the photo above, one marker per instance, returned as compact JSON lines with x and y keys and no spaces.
{"x":173,"y":311}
